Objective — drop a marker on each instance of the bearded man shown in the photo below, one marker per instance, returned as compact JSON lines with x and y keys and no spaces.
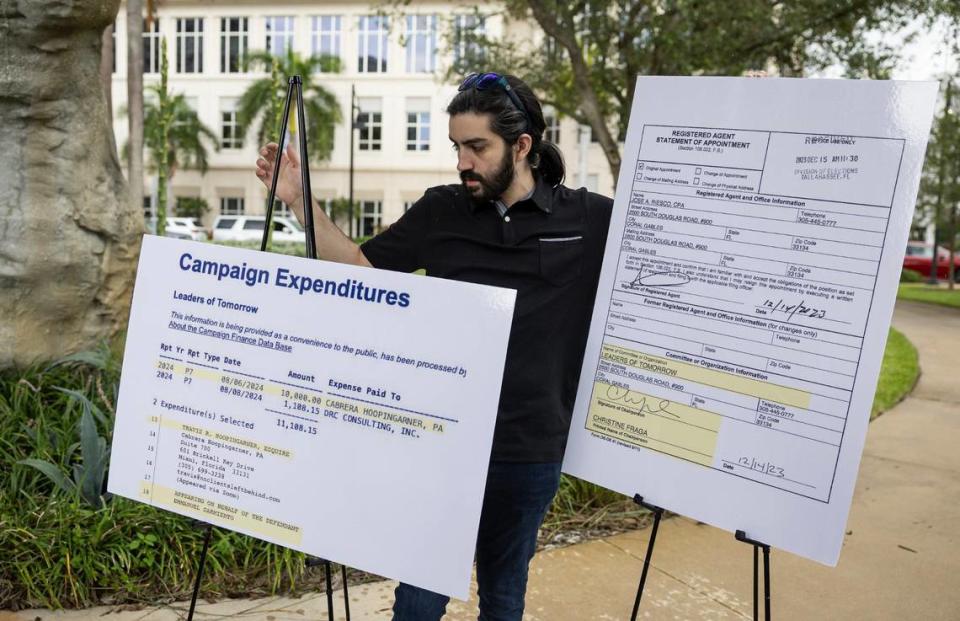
{"x":510,"y":223}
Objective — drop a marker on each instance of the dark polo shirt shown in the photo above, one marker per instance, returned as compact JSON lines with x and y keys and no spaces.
{"x":549,"y":248}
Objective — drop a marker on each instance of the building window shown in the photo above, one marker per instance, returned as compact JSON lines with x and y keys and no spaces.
{"x":190,"y":45}
{"x":372,"y":44}
{"x":279,"y":35}
{"x":551,"y":132}
{"x":421,"y":43}
{"x":231,"y":205}
{"x":233,"y":43}
{"x":148,"y":209}
{"x":370,"y":122}
{"x":113,"y":46}
{"x":325,"y":35}
{"x":280,"y":208}
{"x":151,"y":46}
{"x":418,"y":124}
{"x":370,"y":218}
{"x":230,"y":137}
{"x":468,"y":31}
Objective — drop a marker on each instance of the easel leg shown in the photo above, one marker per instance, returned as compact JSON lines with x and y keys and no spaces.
{"x":327,"y":573}
{"x":312,"y":561}
{"x":766,"y":583}
{"x":200,"y":564}
{"x":346,"y":594}
{"x":657,"y":514}
{"x":757,"y":546}
{"x":756,"y":582}
{"x":276,"y":167}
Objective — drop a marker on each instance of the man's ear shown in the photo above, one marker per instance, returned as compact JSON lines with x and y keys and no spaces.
{"x":523,"y":145}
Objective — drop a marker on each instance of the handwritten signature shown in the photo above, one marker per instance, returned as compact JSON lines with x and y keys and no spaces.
{"x":657,"y":279}
{"x":641,"y":402}
{"x":799,"y":308}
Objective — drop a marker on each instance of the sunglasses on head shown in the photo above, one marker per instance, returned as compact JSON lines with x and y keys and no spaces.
{"x":484,"y":81}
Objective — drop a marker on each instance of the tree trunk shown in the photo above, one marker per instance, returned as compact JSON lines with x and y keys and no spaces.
{"x":135,"y":102}
{"x":106,"y":68}
{"x":589,"y":102}
{"x":68,"y":242}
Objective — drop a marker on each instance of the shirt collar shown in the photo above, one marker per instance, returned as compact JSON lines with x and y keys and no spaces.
{"x":541,"y":195}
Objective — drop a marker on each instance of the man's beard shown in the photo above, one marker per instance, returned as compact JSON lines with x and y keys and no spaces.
{"x":493,"y":187}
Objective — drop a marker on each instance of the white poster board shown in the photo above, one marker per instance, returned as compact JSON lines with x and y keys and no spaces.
{"x":748,"y":284}
{"x":346,"y":412}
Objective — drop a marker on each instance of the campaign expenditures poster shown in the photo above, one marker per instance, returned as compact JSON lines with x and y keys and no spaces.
{"x":343,"y":411}
{"x":747,"y":289}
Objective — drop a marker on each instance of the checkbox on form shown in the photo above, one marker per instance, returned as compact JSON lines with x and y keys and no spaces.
{"x":696,"y":181}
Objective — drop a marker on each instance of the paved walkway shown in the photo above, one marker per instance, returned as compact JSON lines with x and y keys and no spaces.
{"x":901,"y":557}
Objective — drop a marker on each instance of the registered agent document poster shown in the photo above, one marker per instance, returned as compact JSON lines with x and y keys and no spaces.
{"x":748,"y":284}
{"x":346,"y":412}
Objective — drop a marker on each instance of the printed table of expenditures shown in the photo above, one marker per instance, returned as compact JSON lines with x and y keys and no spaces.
{"x":738,"y":301}
{"x":337,"y":410}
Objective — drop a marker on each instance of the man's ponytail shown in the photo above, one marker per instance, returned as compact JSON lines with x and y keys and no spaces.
{"x":550,"y":163}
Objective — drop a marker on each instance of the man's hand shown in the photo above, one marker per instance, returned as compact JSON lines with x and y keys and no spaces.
{"x":289,"y":183}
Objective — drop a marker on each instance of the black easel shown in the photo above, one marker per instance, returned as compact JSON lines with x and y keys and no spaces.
{"x":657,"y":514}
{"x":294,"y":85}
{"x":200,"y":564}
{"x":757,"y":546}
{"x":740,"y":536}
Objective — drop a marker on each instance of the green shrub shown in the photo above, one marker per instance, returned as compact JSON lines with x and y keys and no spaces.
{"x":910,"y":276}
{"x":65,"y":543}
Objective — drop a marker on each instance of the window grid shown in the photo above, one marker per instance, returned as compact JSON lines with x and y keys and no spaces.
{"x":233,"y":43}
{"x":372,"y":44}
{"x":280,"y":208}
{"x":231,"y":205}
{"x":190,"y":45}
{"x":421,"y":43}
{"x":325,"y":35}
{"x":148,"y":206}
{"x":279,"y":34}
{"x":418,"y":131}
{"x":371,"y":217}
{"x":371,"y":130}
{"x":466,"y":47}
{"x":552,"y":131}
{"x":230,"y":137}
{"x":151,"y":47}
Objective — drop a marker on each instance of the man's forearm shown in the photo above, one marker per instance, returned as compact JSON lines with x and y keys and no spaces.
{"x":331,"y":243}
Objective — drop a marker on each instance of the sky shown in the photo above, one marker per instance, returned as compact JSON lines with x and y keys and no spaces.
{"x":928,"y":56}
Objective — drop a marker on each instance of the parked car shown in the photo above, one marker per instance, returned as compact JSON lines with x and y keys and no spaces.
{"x":250,"y":228}
{"x":180,"y":228}
{"x":919,"y":258}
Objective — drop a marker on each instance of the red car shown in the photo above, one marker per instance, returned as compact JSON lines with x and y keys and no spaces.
{"x":919,"y":256}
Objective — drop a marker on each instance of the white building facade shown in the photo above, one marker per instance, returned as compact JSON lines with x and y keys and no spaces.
{"x":394,"y":63}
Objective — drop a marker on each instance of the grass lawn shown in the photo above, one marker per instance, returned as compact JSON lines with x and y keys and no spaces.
{"x":898,"y":373}
{"x":920,"y":292}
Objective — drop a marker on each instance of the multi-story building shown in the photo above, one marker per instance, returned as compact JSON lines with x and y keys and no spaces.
{"x":395,"y":65}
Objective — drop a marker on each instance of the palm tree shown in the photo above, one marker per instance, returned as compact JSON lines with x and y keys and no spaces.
{"x":186,"y":146}
{"x":264,"y":100}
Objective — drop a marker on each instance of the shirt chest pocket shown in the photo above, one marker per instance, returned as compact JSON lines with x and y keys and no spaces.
{"x":561,"y":259}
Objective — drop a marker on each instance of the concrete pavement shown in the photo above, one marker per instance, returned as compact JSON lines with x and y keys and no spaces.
{"x":901,"y":557}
